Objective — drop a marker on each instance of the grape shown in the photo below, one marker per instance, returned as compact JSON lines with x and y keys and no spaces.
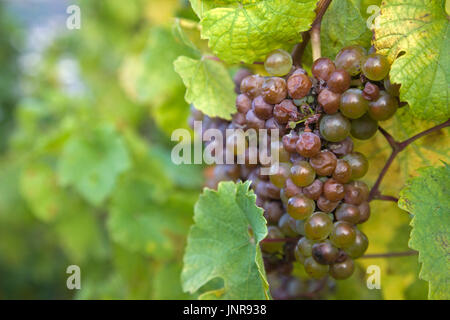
{"x":262,"y":109}
{"x":298,"y":85}
{"x":314,"y":269}
{"x":252,"y":86}
{"x":308,"y":144}
{"x":274,"y":90}
{"x":272,"y":124}
{"x":326,"y":205}
{"x":359,"y":247}
{"x":233,"y":145}
{"x":334,"y":127}
{"x":267,"y":190}
{"x":364,"y":211}
{"x":324,"y":163}
{"x":290,"y":141}
{"x":349,"y":58}
{"x":352,"y":104}
{"x":375,"y":67}
{"x":333,"y":190}
{"x":299,"y":257}
{"x":339,"y":81}
{"x":278,"y":63}
{"x":359,"y":164}
{"x":300,"y":227}
{"x":291,"y":189}
{"x":304,"y":246}
{"x":392,"y":88}
{"x":272,"y":247}
{"x":314,"y":190}
{"x":239,"y":118}
{"x":329,"y":101}
{"x":322,"y":68}
{"x":318,"y":226}
{"x":356,"y":192}
{"x":300,"y":207}
{"x":348,"y":212}
{"x":371,"y":91}
{"x":239,"y":76}
{"x":253,"y":121}
{"x":278,"y":177}
{"x":384,"y":107}
{"x":342,"y":270}
{"x":324,"y":252}
{"x":302,"y":174}
{"x":341,"y":148}
{"x":272,"y":211}
{"x":277,"y":147}
{"x":243,"y":103}
{"x":287,"y":225}
{"x":364,"y":128}
{"x":343,"y":234}
{"x":284,"y":110}
{"x":343,"y":171}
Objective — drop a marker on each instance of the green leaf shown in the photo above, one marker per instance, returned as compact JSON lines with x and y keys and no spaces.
{"x":414,"y":35}
{"x":39,"y":186}
{"x":248,"y":30}
{"x":209,"y":86}
{"x":156,"y":78}
{"x":188,"y":32}
{"x":220,"y":246}
{"x":143,"y":220}
{"x":91,"y":162}
{"x":427,"y":198}
{"x":343,"y":25}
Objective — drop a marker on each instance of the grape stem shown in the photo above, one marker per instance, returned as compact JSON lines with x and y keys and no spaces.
{"x":390,"y":254}
{"x":313,"y":34}
{"x":397,"y":147}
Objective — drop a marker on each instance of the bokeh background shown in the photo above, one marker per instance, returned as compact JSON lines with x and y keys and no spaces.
{"x":85,"y":173}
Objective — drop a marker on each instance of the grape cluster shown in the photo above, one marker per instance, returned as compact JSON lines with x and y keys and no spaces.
{"x":313,"y":202}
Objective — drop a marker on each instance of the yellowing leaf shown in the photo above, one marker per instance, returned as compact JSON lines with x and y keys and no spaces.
{"x":209,"y":86}
{"x":248,"y":30}
{"x":414,"y":35}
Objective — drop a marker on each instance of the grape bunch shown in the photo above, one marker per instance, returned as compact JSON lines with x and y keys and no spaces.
{"x":313,"y":201}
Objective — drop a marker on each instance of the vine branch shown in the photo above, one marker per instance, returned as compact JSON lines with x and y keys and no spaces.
{"x":314,"y":33}
{"x":390,"y":254}
{"x":397,"y":147}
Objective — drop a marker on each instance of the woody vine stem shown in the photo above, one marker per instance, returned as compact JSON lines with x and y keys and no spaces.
{"x":314,"y":35}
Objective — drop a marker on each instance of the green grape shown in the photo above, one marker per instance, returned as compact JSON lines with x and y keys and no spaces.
{"x":314,"y":269}
{"x":304,"y":246}
{"x":353,"y":105}
{"x":324,"y":252}
{"x":343,"y":234}
{"x":272,"y":247}
{"x":349,"y":58}
{"x":287,"y":225}
{"x":364,"y":128}
{"x":278,"y":176}
{"x":334,"y":127}
{"x":342,"y":270}
{"x":384,"y":107}
{"x":299,"y":257}
{"x":300,"y":207}
{"x":302,"y":174}
{"x":359,"y":164}
{"x":300,"y":227}
{"x":278,"y":63}
{"x":375,"y":67}
{"x":318,"y":226}
{"x":359,"y":247}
